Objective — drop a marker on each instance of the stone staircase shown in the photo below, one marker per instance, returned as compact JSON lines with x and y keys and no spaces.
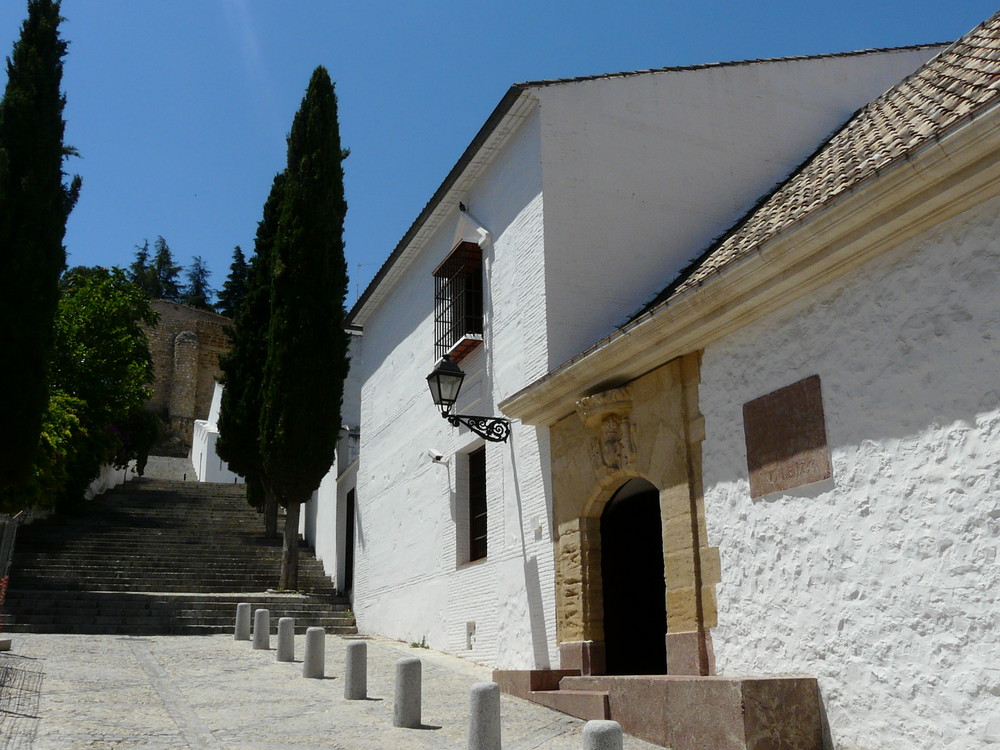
{"x":159,"y":557}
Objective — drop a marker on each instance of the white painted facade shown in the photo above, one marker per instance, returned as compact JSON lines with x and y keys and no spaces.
{"x":323,"y":520}
{"x":594,"y":193}
{"x":208,"y":466}
{"x":882,"y":581}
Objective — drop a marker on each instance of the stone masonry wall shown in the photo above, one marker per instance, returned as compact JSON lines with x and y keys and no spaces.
{"x":186,"y":345}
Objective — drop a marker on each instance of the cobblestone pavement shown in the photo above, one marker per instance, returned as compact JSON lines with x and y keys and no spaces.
{"x":62,"y":692}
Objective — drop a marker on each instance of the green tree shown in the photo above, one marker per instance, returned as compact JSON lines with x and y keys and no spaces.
{"x":141,"y":272}
{"x":165,"y":273}
{"x":34,"y":205}
{"x":100,"y":372}
{"x":240,"y":413}
{"x":197,"y":292}
{"x":307,"y":345}
{"x":235,"y":289}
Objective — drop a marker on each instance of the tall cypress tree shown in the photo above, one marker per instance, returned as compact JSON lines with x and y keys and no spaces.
{"x":34,"y":205}
{"x":240,"y":413}
{"x":235,"y":289}
{"x":307,"y":345}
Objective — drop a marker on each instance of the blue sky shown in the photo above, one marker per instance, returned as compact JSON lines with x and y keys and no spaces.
{"x":180,"y":108}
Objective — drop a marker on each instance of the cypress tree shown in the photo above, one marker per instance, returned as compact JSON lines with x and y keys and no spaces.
{"x":240,"y":413}
{"x":34,"y":205}
{"x":235,"y":289}
{"x":307,"y":345}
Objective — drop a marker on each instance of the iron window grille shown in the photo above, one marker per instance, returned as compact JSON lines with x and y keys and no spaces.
{"x":458,"y":302}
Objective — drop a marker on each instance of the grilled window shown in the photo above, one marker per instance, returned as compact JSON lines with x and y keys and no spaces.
{"x":477,"y":504}
{"x":458,"y":302}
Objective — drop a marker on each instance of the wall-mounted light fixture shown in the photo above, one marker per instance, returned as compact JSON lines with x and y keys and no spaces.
{"x":445,"y":381}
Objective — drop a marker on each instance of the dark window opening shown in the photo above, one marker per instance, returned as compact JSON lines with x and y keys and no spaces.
{"x":477,"y":504}
{"x":458,"y":302}
{"x":349,"y":544}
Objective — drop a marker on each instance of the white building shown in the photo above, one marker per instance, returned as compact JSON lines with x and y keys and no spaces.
{"x":583,"y":198}
{"x":826,"y":374}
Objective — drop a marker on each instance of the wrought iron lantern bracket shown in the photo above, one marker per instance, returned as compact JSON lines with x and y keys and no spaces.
{"x":494,"y":429}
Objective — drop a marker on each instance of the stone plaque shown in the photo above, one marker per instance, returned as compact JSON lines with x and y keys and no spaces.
{"x":786,"y":438}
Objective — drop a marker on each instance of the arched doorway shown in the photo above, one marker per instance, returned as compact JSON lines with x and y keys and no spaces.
{"x":635,"y":610}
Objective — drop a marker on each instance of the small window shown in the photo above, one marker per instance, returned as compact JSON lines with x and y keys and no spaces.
{"x":458,"y":302}
{"x":477,"y":504}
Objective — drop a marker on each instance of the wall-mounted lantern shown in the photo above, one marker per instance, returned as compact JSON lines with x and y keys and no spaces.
{"x":445,"y":381}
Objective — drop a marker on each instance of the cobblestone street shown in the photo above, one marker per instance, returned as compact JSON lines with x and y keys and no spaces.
{"x":62,"y":692}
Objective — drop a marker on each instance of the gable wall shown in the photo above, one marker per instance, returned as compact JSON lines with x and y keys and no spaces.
{"x":642,"y":172}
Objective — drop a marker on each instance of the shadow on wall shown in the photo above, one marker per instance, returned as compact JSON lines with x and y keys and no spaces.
{"x":532,"y":582}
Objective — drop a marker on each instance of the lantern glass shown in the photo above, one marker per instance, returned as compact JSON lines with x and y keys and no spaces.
{"x":445,"y":382}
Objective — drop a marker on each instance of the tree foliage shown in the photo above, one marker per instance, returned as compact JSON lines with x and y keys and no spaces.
{"x":100,"y":369}
{"x":197,"y":292}
{"x":235,"y":289}
{"x":240,"y":412}
{"x":307,"y":360}
{"x":34,"y":205}
{"x":165,"y":273}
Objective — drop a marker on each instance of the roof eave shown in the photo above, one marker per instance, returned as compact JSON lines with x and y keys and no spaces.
{"x":506,"y":117}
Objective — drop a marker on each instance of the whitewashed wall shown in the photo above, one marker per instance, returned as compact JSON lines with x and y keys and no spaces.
{"x":322,"y":519}
{"x":410,"y":583}
{"x":642,"y":172}
{"x":208,"y":467}
{"x":882,"y":581}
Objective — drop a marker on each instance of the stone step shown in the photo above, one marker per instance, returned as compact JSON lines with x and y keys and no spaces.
{"x":160,"y":557}
{"x":583,"y":704}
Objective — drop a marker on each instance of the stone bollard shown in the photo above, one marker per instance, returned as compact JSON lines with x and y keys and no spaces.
{"x":602,"y":735}
{"x":484,"y":716}
{"x":286,"y":639}
{"x":314,"y":659}
{"x":262,"y":629}
{"x":242,"y":622}
{"x":356,"y":671}
{"x":406,"y":710}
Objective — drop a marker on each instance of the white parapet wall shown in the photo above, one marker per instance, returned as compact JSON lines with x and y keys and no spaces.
{"x":208,"y":467}
{"x":883,"y":580}
{"x":108,"y":479}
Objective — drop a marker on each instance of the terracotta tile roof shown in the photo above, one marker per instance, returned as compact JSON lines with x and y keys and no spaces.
{"x":959,"y":82}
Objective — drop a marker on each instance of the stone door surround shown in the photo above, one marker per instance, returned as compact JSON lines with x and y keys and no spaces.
{"x":649,"y":428}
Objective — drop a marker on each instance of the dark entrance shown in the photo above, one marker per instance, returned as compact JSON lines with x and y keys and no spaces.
{"x":635,"y":610}
{"x":349,"y":543}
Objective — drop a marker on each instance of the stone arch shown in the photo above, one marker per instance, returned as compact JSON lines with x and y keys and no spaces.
{"x":633,"y":584}
{"x":648,"y":429}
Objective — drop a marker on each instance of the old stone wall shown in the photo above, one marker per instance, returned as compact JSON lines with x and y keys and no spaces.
{"x":186,"y":344}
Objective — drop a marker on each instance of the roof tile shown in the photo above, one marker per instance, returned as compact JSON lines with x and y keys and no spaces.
{"x":959,"y":81}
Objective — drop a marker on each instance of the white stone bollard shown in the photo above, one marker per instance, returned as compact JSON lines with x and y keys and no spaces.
{"x":356,"y":671}
{"x":286,"y":639}
{"x":242,"y":622}
{"x":262,"y":629}
{"x":314,"y":659}
{"x":602,"y":735}
{"x":484,"y":716}
{"x":406,"y":710}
